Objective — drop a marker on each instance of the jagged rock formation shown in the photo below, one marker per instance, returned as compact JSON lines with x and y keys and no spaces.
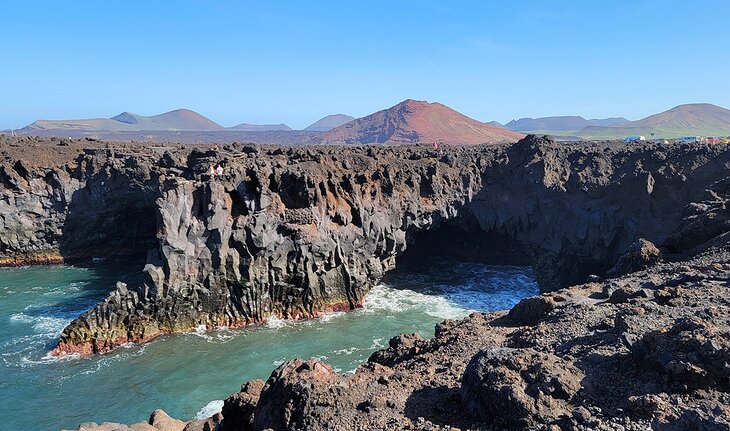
{"x":294,"y":232}
{"x":521,"y":387}
{"x":641,"y":255}
{"x":286,"y":233}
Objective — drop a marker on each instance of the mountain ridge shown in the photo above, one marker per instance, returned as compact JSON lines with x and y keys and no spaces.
{"x":560,"y":123}
{"x":700,"y":119}
{"x":247,"y":127}
{"x":178,"y":119}
{"x":418,"y":121}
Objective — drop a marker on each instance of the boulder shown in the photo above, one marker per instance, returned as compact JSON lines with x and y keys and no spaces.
{"x":163,"y":422}
{"x":693,"y":354}
{"x":238,"y":409}
{"x":113,"y":426}
{"x":283,"y":404}
{"x":641,"y":255}
{"x":519,"y":388}
{"x":530,"y":311}
{"x":400,"y":348}
{"x":210,"y":424}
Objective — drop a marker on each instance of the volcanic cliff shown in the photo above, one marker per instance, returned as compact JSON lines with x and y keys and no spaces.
{"x":293,"y":232}
{"x":646,"y":349}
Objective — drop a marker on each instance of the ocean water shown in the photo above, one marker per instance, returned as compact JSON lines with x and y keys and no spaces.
{"x":188,"y":375}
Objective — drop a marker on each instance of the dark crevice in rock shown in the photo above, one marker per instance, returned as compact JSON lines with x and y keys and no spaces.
{"x":111,"y":216}
{"x":463,"y":239}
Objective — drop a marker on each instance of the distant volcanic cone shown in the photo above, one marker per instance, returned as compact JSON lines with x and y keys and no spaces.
{"x":414,"y":121}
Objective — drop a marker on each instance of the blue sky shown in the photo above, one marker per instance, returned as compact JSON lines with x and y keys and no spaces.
{"x":294,"y":62}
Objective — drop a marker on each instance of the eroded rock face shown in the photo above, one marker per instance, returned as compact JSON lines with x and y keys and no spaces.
{"x":290,"y":235}
{"x":79,"y":204}
{"x":705,"y":221}
{"x":293,"y":232}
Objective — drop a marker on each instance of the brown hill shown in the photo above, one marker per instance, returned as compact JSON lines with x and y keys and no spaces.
{"x":416,"y":121}
{"x":694,"y":119}
{"x":179,"y":119}
{"x":689,"y":117}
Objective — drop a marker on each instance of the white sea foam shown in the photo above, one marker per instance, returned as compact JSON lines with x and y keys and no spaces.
{"x":386,"y":299}
{"x":276,"y":323}
{"x":329,"y":316}
{"x":377,"y":343}
{"x":36,"y":306}
{"x":210,"y":409}
{"x":48,"y":358}
{"x":21,"y":317}
{"x":346,"y":351}
{"x":42,"y":324}
{"x":225,"y":335}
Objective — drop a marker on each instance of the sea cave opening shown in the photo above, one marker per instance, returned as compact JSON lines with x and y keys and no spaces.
{"x":462,"y":238}
{"x":471,"y":268}
{"x":109,"y":218}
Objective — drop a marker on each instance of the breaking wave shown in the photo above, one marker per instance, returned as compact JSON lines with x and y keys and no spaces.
{"x":210,"y":409}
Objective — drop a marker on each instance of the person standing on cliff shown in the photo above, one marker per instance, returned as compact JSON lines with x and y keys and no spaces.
{"x":219,"y":170}
{"x":211,"y":171}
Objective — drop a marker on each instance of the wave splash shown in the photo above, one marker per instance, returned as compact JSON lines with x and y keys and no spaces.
{"x":213,"y":407}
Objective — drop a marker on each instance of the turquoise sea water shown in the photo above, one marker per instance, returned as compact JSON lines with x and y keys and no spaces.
{"x":188,"y":374}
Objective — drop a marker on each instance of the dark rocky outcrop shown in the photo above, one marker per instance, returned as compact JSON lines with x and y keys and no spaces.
{"x":693,"y":353}
{"x":238,"y":409}
{"x":707,"y":220}
{"x":294,"y":232}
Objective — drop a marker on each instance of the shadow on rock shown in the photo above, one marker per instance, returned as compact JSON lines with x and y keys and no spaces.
{"x":440,"y":405}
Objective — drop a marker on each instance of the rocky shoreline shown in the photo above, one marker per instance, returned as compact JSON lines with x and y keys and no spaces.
{"x":293,"y":232}
{"x":646,"y":350}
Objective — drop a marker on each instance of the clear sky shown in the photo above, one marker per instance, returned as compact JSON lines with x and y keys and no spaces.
{"x":294,"y":62}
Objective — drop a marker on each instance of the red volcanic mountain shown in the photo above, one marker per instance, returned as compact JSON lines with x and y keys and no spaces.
{"x":415,"y":121}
